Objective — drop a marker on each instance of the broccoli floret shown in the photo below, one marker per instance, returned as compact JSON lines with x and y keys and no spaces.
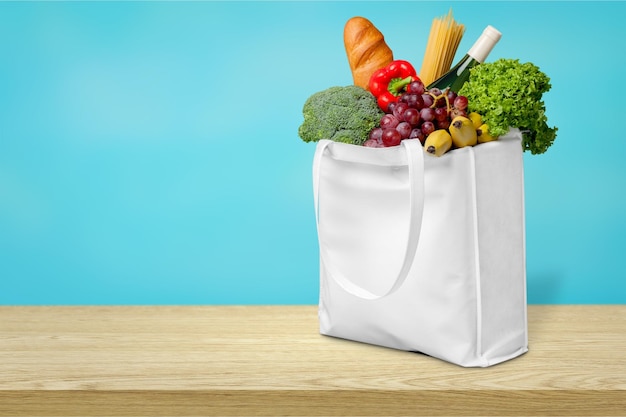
{"x":342,"y":114}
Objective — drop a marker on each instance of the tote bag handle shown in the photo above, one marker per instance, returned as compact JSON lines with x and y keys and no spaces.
{"x":415,"y":163}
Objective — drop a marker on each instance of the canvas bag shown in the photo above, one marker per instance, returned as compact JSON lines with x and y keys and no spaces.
{"x":424,"y":253}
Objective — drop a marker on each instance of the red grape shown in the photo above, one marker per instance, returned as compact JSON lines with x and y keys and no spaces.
{"x":391,"y":137}
{"x":373,"y":143}
{"x":435,"y":91}
{"x":427,"y":128}
{"x":457,"y":112}
{"x":417,"y":134}
{"x":389,"y":121}
{"x":376,"y":133}
{"x":438,"y":97}
{"x":460,"y":102}
{"x":404,"y":128}
{"x":416,"y":87}
{"x":451,"y":96}
{"x":443,"y":124}
{"x":427,"y":114}
{"x":399,"y":109}
{"x":441,"y":113}
{"x":412,"y":116}
{"x":414,"y":100}
{"x":428,"y":100}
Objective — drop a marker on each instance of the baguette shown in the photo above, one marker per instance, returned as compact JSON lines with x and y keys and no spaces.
{"x":366,"y":49}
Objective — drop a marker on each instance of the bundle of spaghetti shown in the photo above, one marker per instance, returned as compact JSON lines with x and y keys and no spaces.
{"x":443,"y":41}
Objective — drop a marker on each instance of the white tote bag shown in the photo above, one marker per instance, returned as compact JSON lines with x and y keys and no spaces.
{"x":424,"y":253}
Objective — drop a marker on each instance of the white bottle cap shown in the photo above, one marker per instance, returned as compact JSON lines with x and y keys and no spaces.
{"x":485,"y":44}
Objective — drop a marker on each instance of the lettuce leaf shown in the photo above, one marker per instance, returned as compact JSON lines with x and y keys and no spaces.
{"x":507,"y":93}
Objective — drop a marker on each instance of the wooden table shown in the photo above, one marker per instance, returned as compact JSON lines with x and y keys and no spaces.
{"x":271,"y":360}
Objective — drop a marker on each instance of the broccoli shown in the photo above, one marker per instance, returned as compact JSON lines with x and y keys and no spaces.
{"x":342,"y":114}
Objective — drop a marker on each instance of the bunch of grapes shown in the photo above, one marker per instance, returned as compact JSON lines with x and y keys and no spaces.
{"x":417,"y":113}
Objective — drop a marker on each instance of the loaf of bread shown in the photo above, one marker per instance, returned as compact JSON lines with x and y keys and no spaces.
{"x":366,"y":49}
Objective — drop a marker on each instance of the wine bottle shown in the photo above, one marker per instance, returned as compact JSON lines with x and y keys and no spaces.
{"x":458,"y":75}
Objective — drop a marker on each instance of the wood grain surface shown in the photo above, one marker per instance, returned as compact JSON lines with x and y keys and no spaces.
{"x":271,"y":360}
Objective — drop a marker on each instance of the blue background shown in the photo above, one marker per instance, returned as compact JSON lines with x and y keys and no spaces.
{"x":149,"y":150}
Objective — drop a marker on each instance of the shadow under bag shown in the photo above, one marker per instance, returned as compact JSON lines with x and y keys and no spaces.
{"x":424,"y":253}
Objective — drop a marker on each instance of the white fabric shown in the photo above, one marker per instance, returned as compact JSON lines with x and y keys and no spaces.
{"x":424,"y":253}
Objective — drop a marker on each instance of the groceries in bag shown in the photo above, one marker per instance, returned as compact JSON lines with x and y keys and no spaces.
{"x":388,"y":219}
{"x":495,"y":97}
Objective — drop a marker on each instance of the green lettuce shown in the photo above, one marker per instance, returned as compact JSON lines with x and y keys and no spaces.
{"x":509,"y":94}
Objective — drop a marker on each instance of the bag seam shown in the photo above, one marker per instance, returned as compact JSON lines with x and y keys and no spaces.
{"x":479,"y":318}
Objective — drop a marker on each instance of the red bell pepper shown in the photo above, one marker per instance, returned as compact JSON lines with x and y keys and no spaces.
{"x":388,"y":84}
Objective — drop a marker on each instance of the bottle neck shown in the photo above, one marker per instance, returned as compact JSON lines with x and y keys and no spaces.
{"x":483,"y":46}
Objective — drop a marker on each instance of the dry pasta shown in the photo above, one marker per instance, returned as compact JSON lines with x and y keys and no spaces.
{"x":443,"y":41}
